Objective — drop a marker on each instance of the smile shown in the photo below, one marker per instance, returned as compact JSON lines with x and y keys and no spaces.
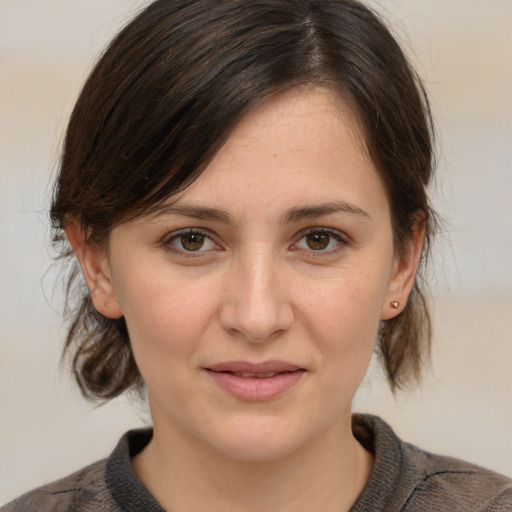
{"x":257,"y":375}
{"x":255,"y":382}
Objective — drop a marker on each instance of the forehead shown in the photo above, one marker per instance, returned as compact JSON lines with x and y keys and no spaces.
{"x":298,"y":119}
{"x":300,"y":146}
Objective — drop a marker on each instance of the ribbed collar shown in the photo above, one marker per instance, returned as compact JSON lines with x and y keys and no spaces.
{"x":380,"y":440}
{"x":372,"y":432}
{"x":122,"y":482}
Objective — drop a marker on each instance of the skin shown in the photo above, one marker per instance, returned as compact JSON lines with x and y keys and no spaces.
{"x":294,"y":262}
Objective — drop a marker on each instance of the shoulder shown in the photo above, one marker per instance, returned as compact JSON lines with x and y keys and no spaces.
{"x":109,"y":485}
{"x":408,"y":479}
{"x":445,"y":483}
{"x":84,"y":490}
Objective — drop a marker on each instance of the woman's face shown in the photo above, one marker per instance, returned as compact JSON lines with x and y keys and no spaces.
{"x":253,"y":298}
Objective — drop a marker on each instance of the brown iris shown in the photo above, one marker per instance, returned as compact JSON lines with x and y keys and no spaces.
{"x":318,"y":241}
{"x":192,"y":241}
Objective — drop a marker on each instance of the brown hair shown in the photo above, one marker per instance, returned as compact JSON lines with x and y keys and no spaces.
{"x":165,"y":96}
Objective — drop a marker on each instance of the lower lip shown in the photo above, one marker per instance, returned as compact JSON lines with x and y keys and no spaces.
{"x":254,"y":388}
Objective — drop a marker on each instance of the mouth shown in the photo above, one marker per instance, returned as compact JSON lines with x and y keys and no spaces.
{"x":254,"y":369}
{"x":255,"y":375}
{"x":255,"y":382}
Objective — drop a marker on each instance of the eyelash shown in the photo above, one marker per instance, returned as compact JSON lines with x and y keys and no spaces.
{"x":340,"y":242}
{"x":167,"y":242}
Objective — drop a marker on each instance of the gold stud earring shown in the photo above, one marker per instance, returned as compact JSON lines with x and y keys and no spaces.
{"x":395,"y":304}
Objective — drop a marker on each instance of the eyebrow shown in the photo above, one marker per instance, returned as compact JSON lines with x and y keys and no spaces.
{"x":308,"y":212}
{"x":194,"y":212}
{"x":295,"y":214}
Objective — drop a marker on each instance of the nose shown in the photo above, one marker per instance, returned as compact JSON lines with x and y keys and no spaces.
{"x":256,"y":307}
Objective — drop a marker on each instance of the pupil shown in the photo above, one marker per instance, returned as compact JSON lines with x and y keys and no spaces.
{"x":192,"y":241}
{"x":318,"y":241}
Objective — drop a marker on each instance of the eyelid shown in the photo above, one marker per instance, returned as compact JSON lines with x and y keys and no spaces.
{"x":167,"y":240}
{"x":342,"y":239}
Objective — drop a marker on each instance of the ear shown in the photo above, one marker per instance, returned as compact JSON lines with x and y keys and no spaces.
{"x":96,"y":270}
{"x":405,"y":267}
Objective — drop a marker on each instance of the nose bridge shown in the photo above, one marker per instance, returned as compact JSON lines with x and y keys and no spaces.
{"x":257,"y":306}
{"x":261,"y":277}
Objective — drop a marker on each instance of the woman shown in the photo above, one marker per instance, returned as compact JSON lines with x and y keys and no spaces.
{"x":244,"y":187}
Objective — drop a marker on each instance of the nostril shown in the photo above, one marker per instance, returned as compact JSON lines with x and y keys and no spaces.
{"x":254,"y":314}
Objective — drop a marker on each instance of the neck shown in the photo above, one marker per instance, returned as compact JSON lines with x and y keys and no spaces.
{"x":327,"y":474}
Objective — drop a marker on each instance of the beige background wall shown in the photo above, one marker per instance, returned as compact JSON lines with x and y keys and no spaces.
{"x":464,"y":50}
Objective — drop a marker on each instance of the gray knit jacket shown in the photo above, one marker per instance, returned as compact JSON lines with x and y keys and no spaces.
{"x":404,"y":479}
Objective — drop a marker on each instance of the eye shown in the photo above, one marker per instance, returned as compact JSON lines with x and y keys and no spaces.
{"x":320,"y":240}
{"x":190,"y":240}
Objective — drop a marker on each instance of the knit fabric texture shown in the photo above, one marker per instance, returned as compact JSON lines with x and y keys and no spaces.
{"x":404,"y":479}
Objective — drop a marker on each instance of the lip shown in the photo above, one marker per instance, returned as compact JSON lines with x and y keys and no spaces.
{"x":257,"y":387}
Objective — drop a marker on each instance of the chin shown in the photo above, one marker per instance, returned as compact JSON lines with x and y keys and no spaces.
{"x":258,"y":441}
{"x":257,"y":451}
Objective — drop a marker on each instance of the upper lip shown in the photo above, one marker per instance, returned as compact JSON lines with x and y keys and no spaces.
{"x":247,"y":367}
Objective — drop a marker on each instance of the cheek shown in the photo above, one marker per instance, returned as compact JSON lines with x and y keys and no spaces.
{"x":345,"y":326}
{"x":346,"y":302}
{"x":167,"y":322}
{"x":166,"y":315}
